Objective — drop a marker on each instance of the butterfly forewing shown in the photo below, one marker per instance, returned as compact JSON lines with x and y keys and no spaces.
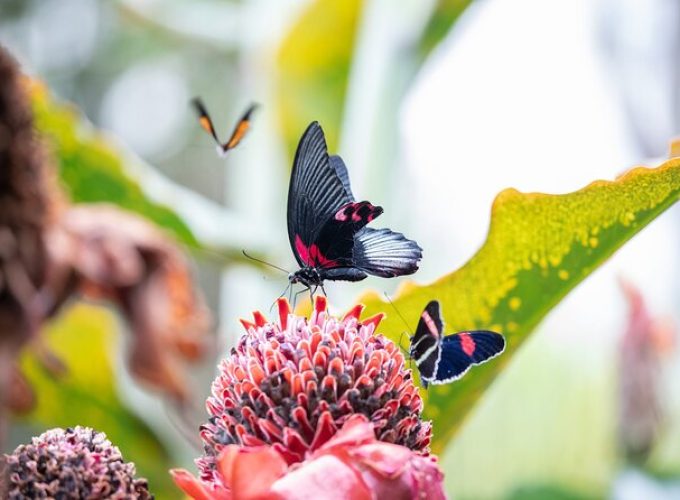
{"x":425,"y":344}
{"x":204,"y":118}
{"x":462,"y":350}
{"x":341,"y":171}
{"x":315,"y":194}
{"x":240,"y":130}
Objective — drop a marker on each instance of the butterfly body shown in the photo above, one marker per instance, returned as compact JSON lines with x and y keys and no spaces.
{"x":441,"y":359}
{"x":327,"y":227}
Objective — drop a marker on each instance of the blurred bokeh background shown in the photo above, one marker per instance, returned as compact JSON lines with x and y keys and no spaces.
{"x":436,"y":106}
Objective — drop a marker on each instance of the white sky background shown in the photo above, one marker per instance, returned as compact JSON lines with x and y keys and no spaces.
{"x":521,"y":95}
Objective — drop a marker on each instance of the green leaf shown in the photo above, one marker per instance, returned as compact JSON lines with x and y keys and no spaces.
{"x":83,"y":338}
{"x":90,"y":167}
{"x":539,"y":247}
{"x":442,"y":19}
{"x":314,"y":62}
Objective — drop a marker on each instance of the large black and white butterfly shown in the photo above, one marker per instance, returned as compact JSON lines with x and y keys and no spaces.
{"x":327,"y":227}
{"x":242,"y":126}
{"x":441,"y":359}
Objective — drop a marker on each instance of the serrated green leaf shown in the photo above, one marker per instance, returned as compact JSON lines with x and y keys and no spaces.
{"x":539,"y":247}
{"x":90,"y":167}
{"x":314,"y":62}
{"x":83,"y":338}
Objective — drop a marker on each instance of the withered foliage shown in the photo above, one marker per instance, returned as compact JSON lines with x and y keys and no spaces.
{"x":51,"y":251}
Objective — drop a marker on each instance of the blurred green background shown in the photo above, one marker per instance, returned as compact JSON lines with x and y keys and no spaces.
{"x":436,"y":107}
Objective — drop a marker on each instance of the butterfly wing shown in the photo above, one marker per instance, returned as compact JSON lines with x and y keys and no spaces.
{"x":204,"y":118}
{"x":341,"y":170}
{"x":315,"y":195}
{"x":384,"y":253}
{"x":462,"y":350}
{"x":326,"y":226}
{"x":426,"y":342}
{"x":240,"y":129}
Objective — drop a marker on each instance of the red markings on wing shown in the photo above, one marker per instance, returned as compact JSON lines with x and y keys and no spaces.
{"x":311,"y":255}
{"x":429,"y":322}
{"x":467,"y":343}
{"x":362,"y":211}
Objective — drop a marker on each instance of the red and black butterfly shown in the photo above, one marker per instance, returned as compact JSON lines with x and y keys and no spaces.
{"x":239,"y":130}
{"x":441,"y":359}
{"x":327,"y":228}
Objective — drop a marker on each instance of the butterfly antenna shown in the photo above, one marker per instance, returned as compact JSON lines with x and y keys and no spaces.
{"x":403,"y":320}
{"x":180,"y":419}
{"x":264,"y":262}
{"x":397,"y":311}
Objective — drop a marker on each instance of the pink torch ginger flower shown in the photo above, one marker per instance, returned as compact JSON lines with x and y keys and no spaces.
{"x":352,"y":464}
{"x":293,"y":384}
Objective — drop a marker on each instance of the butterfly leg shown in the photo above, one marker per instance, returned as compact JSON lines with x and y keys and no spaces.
{"x":296,"y":296}
{"x":282,"y":295}
{"x":323,"y":290}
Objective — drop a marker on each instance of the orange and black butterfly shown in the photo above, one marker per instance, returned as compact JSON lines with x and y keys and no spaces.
{"x":236,"y":136}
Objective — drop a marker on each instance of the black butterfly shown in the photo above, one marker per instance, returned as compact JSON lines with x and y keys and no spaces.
{"x":441,"y":359}
{"x":239,"y":130}
{"x":326,"y":227}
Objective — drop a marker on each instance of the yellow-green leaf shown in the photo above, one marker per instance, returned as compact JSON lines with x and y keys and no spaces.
{"x":84,"y":338}
{"x":313,"y":64}
{"x":90,"y":167}
{"x":442,"y":19}
{"x":538,"y":248}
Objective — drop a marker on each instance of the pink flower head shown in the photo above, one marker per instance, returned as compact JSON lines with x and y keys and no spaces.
{"x":76,"y":462}
{"x":352,"y":464}
{"x":294,"y":384}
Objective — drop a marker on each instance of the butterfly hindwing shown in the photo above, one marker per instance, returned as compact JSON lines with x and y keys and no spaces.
{"x":385,"y":253}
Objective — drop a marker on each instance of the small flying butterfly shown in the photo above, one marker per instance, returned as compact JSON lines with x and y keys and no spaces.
{"x":239,"y":130}
{"x":327,"y":227}
{"x":441,"y":359}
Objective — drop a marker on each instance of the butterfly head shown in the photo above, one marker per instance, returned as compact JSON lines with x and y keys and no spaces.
{"x":308,"y":276}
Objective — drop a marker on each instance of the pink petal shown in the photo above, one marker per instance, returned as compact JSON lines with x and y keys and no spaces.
{"x":387,"y":459}
{"x":325,"y":429}
{"x":284,"y":311}
{"x":355,"y":312}
{"x":374,"y":320}
{"x":325,"y":477}
{"x":251,"y":472}
{"x":356,"y":430}
{"x":195,"y":488}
